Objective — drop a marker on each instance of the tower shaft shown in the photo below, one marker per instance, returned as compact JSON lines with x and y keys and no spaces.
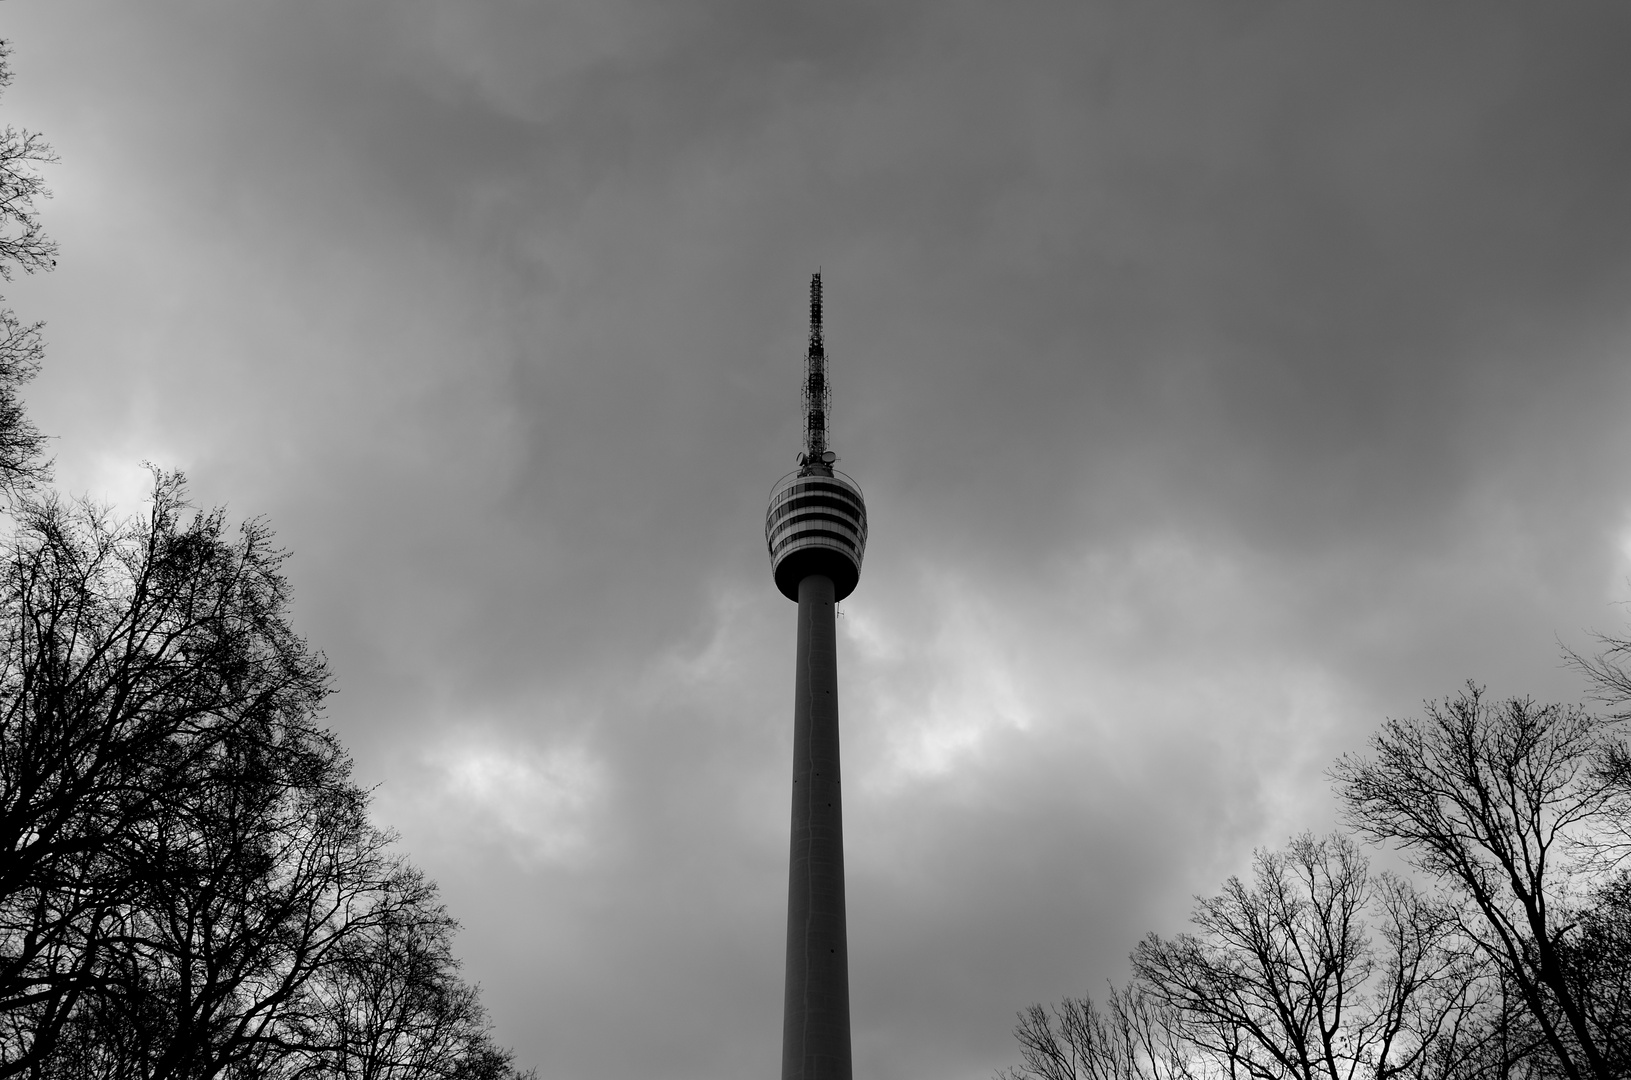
{"x":815,"y":1018}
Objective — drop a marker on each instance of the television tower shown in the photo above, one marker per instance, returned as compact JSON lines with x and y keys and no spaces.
{"x":816,"y":531}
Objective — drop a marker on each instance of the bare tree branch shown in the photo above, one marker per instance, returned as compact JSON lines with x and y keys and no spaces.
{"x":1506,"y":804}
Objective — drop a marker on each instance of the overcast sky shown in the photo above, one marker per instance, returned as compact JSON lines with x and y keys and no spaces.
{"x":1223,"y":378}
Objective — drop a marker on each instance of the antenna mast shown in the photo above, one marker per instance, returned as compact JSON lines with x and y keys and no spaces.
{"x":817,"y":394}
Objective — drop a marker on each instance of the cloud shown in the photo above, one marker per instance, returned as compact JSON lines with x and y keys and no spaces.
{"x":1221,"y":380}
{"x":536,"y":806}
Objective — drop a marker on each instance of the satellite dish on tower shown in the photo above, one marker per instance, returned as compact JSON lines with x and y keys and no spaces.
{"x":829,"y":457}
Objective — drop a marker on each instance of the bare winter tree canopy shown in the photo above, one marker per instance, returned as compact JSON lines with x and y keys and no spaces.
{"x":1511,"y":806}
{"x":1133,"y":1038}
{"x":190,"y":885}
{"x":1317,"y":968}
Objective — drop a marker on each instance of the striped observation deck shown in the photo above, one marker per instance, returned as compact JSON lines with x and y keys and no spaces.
{"x":816,"y":524}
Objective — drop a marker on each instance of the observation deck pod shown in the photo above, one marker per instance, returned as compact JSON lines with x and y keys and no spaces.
{"x":816,"y":524}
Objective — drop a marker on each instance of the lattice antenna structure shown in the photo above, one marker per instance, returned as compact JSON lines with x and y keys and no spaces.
{"x":817,"y":394}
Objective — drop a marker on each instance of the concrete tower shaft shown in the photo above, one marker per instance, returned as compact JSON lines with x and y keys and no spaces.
{"x":815,"y":1008}
{"x":815,"y":530}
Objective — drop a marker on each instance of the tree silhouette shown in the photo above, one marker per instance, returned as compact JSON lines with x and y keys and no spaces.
{"x":24,"y":246}
{"x":190,"y":885}
{"x":133,"y":657}
{"x":1506,"y":804}
{"x":1286,"y":979}
{"x":1316,"y":969}
{"x":1134,"y":1038}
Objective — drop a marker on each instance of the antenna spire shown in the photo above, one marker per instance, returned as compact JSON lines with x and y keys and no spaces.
{"x":817,"y":394}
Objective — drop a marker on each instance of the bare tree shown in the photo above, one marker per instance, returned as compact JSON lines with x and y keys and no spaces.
{"x":1137,"y":1039}
{"x":395,"y":1008}
{"x":128,"y":653}
{"x":254,"y":877}
{"x":1285,"y":980}
{"x":1596,"y":960}
{"x":24,"y":246}
{"x":23,"y":243}
{"x":1505,"y":805}
{"x":189,"y":878}
{"x":279,"y":937}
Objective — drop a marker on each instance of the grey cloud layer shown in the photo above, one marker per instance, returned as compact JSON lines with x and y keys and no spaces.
{"x":1221,"y":378}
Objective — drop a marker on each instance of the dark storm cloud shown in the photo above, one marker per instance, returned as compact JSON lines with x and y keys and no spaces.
{"x":1221,"y":378}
